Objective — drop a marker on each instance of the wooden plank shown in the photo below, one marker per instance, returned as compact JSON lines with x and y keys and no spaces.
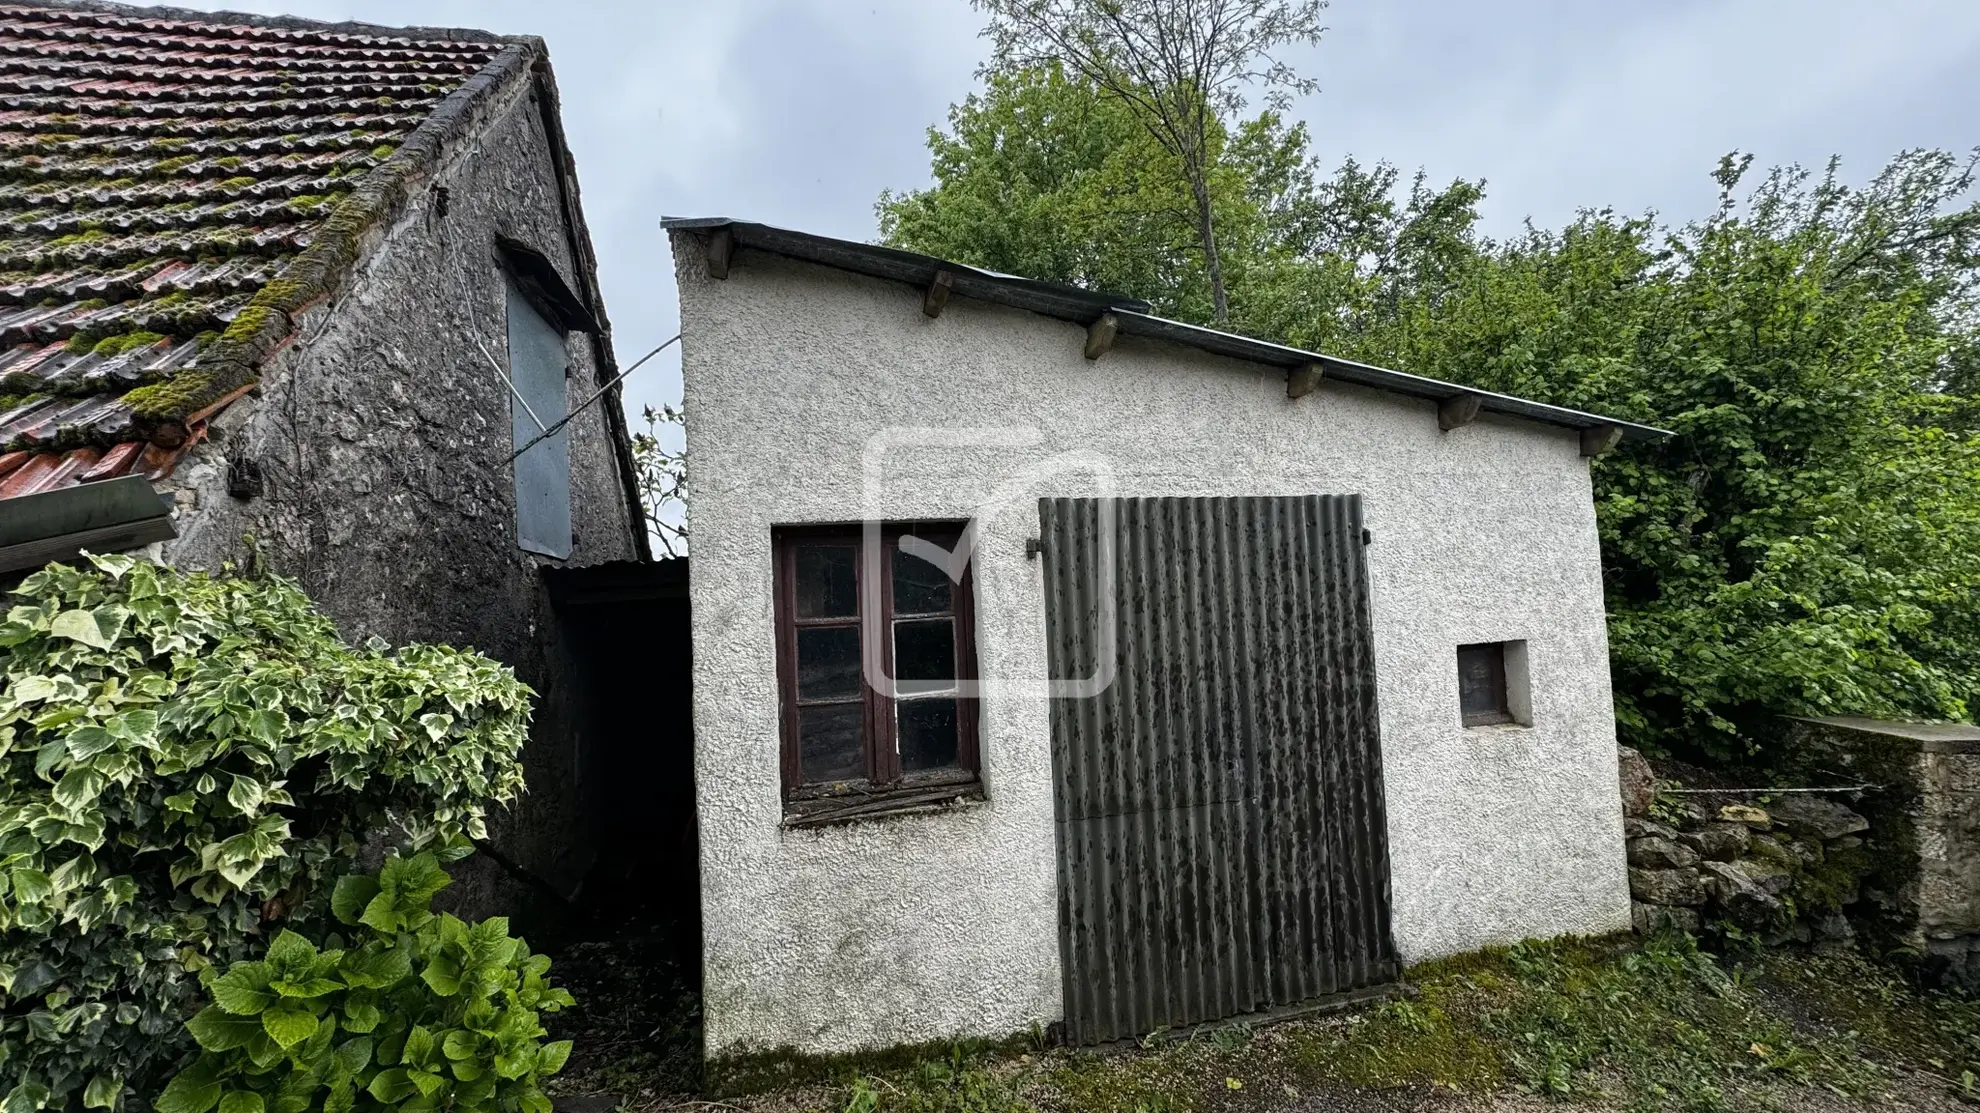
{"x":1454,"y":412}
{"x":1600,"y":439}
{"x":938,"y":294}
{"x":1100,"y":335}
{"x":1302,"y":381}
{"x":721,"y":245}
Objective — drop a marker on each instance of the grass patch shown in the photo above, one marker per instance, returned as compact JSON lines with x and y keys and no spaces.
{"x":1659,"y":1025}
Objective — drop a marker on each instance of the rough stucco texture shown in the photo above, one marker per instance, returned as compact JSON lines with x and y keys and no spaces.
{"x":933,"y":926}
{"x":383,"y":436}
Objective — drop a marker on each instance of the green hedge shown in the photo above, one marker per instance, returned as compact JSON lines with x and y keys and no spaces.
{"x":189,"y":761}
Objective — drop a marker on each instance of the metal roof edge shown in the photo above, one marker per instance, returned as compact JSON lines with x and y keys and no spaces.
{"x":1082,"y":306}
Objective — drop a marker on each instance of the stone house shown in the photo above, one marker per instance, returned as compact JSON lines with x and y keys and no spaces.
{"x":1056,"y":663}
{"x":296,"y":293}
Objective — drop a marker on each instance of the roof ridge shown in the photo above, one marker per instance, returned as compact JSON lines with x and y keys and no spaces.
{"x":233,"y":360}
{"x":276,"y":24}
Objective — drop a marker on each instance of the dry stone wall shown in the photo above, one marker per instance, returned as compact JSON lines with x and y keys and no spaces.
{"x":1778,"y":868}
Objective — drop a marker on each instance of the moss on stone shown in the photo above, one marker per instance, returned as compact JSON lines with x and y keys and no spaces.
{"x":173,"y":165}
{"x":250,"y":323}
{"x":118,"y":345}
{"x":73,"y":239}
{"x":382,"y":152}
{"x":171,"y":398}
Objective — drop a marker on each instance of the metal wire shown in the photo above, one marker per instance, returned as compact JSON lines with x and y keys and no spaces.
{"x":552,"y":429}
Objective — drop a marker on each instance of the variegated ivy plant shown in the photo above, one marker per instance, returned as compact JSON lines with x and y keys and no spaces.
{"x":187,"y":761}
{"x":410,"y":1011}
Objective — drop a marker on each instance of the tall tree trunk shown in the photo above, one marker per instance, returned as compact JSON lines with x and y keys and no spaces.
{"x":1206,"y":233}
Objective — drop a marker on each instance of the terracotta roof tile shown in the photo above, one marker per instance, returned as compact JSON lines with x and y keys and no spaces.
{"x":157,"y":173}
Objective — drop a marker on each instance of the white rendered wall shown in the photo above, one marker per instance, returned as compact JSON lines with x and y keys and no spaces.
{"x":927,"y":927}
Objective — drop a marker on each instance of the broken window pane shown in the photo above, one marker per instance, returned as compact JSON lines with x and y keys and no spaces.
{"x":926,"y":734}
{"x":827,"y":586}
{"x":828,"y":743}
{"x":828,"y":662}
{"x":925,"y":655}
{"x":921,"y":587}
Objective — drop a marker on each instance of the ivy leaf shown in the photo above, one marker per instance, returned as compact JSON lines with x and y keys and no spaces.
{"x":288,"y":1023}
{"x":97,"y":629}
{"x":78,"y":788}
{"x":216,"y":1029}
{"x":30,"y":689}
{"x":352,"y":894}
{"x":27,"y":1097}
{"x":31,"y":886}
{"x":245,"y":795}
{"x":241,"y":1101}
{"x":103,"y":1092}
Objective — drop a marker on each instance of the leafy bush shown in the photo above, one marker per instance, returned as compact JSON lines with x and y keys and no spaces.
{"x":186,"y":759}
{"x":415,"y":1012}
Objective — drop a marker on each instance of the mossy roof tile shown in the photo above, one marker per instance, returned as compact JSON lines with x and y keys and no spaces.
{"x":156,"y":174}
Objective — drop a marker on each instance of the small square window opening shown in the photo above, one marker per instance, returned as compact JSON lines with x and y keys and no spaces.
{"x":1492,"y":684}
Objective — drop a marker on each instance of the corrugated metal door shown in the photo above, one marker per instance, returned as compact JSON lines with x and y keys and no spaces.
{"x":1222,"y":843}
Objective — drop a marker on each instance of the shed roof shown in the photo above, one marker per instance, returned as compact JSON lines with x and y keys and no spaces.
{"x":1082,"y":306}
{"x":176,"y":185}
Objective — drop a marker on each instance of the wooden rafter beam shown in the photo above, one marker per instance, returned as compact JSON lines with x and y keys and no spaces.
{"x":1459,"y":411}
{"x":721,"y":245}
{"x":1100,"y":335}
{"x":1600,"y":439}
{"x":1303,"y":380}
{"x":937,"y":296}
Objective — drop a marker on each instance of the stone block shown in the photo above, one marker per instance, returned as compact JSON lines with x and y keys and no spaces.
{"x":1654,"y":852}
{"x":1638,"y":781}
{"x":1679,"y":887}
{"x":1719,"y":841}
{"x":1649,"y":919}
{"x":1765,"y":849}
{"x":1635,"y":828}
{"x":1754,"y":818}
{"x":1741,"y":896}
{"x":1808,"y":814}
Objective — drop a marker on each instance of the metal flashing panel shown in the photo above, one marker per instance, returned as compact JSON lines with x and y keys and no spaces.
{"x":1223,"y":844}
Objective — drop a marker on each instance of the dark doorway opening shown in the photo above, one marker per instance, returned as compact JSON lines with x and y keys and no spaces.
{"x":632,"y":951}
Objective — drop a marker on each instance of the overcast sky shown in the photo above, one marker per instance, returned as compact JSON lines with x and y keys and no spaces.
{"x":798,"y":112}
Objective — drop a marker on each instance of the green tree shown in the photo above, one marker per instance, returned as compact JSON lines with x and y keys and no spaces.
{"x":1178,"y":68}
{"x":1805,"y":543}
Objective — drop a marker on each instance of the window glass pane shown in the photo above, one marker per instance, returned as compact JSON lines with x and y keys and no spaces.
{"x":925,"y":655}
{"x":927,"y":733}
{"x":921,"y":587}
{"x":828,"y":743}
{"x":827,"y":662}
{"x":827,"y":586}
{"x":538,"y":364}
{"x":1482,"y":679}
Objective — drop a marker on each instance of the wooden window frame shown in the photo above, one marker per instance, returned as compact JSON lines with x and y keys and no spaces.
{"x":886,"y":788}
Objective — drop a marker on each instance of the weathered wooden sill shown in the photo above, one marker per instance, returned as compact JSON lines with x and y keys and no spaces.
{"x":907,"y":798}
